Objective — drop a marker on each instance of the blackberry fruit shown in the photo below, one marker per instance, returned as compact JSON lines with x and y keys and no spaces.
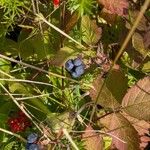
{"x":69,"y":65}
{"x":32,"y":138}
{"x":77,"y":62}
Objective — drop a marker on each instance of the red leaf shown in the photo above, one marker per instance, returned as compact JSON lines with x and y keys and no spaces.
{"x":137,"y":101}
{"x":92,"y":140}
{"x":142,"y":128}
{"x":118,"y":7}
{"x":124,"y":136}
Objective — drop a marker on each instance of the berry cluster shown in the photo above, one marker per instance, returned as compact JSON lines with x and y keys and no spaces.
{"x":32,"y":142}
{"x":19,"y":123}
{"x":75,"y":67}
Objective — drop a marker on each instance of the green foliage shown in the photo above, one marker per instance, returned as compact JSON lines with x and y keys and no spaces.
{"x":14,"y":145}
{"x":91,"y":32}
{"x":104,"y":98}
{"x":11,"y":11}
{"x":82,"y":6}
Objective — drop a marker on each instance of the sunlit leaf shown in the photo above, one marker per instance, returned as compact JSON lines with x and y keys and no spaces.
{"x":138,"y":44}
{"x":146,"y":67}
{"x":91,"y":32}
{"x":37,"y":46}
{"x":59,"y":121}
{"x":137,"y":101}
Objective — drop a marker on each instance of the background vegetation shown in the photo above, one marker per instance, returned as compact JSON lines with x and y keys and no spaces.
{"x":106,"y":108}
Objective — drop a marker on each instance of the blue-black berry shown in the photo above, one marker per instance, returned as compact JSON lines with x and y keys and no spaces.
{"x":34,"y":147}
{"x":32,"y":138}
{"x":75,"y":67}
{"x":79,"y":70}
{"x":69,"y":65}
{"x":27,"y":146}
{"x":77,"y":62}
{"x":75,"y":75}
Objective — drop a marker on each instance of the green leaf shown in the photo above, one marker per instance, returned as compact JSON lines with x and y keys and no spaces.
{"x":5,"y":107}
{"x":124,"y":136}
{"x":81,"y":6}
{"x":4,"y":65}
{"x":107,"y":142}
{"x":117,"y":83}
{"x":9,"y":46}
{"x":62,"y":56}
{"x":138,"y":44}
{"x":22,"y":89}
{"x":91,"y":32}
{"x":146,"y":67}
{"x":3,"y":119}
{"x":105,"y":98}
{"x":37,"y":46}
{"x":18,"y":87}
{"x":137,"y":101}
{"x":59,"y":121}
{"x":14,"y":145}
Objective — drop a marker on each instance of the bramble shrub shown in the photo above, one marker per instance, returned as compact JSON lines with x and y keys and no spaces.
{"x":74,"y":74}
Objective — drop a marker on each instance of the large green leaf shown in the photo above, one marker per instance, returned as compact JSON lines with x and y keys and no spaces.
{"x":117,"y":83}
{"x":38,"y":46}
{"x":137,"y":101}
{"x":105,"y":97}
{"x":138,"y":44}
{"x":9,"y":46}
{"x":91,"y":32}
{"x":124,"y":136}
{"x":27,"y":90}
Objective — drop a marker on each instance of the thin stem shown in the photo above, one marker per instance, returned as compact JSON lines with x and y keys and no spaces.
{"x":37,"y":68}
{"x":4,"y":73}
{"x":70,"y":139}
{"x":58,"y":30}
{"x":101,"y":132}
{"x":27,"y":81}
{"x":14,"y":134}
{"x":22,"y":109}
